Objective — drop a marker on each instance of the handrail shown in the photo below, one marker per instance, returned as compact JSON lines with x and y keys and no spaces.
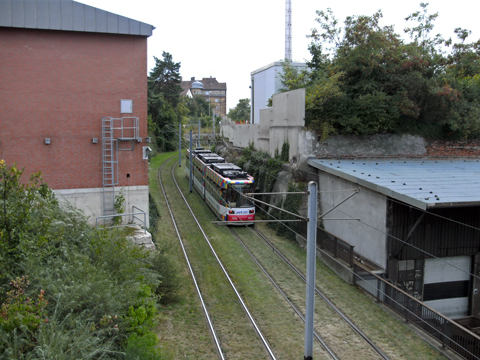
{"x":144,"y":222}
{"x":450,"y":334}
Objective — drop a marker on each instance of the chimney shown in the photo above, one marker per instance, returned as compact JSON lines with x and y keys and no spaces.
{"x":192,"y":79}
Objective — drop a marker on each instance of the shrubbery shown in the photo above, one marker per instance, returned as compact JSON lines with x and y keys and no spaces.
{"x":365,"y":79}
{"x":69,"y":291}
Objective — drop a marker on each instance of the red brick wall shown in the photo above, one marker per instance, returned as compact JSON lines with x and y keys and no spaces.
{"x":465,"y":148}
{"x":58,"y":85}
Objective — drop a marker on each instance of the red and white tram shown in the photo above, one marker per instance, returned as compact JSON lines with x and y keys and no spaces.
{"x":220,"y":185}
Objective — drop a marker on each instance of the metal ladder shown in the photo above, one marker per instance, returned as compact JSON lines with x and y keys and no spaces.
{"x":109,"y":165}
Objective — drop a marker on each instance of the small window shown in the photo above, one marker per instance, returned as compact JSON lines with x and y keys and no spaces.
{"x":217,"y":100}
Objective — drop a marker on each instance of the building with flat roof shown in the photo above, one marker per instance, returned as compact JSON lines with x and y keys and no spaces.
{"x":417,"y":219}
{"x":74,"y":90}
{"x":265,"y":82}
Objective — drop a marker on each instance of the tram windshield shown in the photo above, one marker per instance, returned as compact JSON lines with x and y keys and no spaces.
{"x":234,"y":198}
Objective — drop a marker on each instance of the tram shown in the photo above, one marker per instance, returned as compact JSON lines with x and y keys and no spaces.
{"x":220,"y":185}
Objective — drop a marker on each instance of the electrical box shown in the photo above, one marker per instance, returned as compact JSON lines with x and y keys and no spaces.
{"x":126,"y":106}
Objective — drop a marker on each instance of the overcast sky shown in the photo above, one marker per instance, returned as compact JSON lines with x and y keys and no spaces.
{"x":229,"y":39}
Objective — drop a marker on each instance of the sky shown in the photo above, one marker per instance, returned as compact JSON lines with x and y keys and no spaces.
{"x":229,"y":39}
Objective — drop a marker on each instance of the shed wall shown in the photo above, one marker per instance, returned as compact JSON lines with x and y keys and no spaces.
{"x":368,"y":236}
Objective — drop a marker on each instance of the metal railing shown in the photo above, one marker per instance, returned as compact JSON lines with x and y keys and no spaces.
{"x":133,"y":214}
{"x":335,"y":246}
{"x":449,"y":333}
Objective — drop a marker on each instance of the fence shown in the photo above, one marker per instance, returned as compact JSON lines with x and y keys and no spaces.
{"x":449,"y":333}
{"x":326,"y":241}
{"x":133,"y":214}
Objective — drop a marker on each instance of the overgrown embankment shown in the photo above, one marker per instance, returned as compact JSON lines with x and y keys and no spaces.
{"x":69,"y":291}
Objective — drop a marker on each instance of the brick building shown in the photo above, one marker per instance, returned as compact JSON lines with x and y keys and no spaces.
{"x":212,"y":90}
{"x":74,"y":100}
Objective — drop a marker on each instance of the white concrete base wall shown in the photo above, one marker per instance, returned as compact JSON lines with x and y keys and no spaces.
{"x":370,"y":207}
{"x":452,"y":308}
{"x":90,"y":200}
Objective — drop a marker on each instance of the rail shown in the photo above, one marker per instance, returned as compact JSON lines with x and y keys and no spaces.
{"x":449,"y":333}
{"x":133,"y":214}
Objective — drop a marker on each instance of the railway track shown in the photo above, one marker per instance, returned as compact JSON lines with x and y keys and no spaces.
{"x":338,"y":337}
{"x":370,"y":344}
{"x":218,"y":346}
{"x":216,"y":341}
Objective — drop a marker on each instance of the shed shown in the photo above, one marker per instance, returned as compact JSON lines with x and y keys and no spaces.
{"x":419,"y":220}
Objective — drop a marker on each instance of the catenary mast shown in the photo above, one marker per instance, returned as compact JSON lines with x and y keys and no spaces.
{"x":288,"y":30}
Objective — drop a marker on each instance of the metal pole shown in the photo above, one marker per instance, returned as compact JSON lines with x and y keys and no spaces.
{"x":213,"y":124}
{"x":190,"y":159}
{"x":198,"y":143}
{"x":311,"y":258}
{"x":179,"y":145}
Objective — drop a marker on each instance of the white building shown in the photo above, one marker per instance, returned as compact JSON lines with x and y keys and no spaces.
{"x":265,"y":83}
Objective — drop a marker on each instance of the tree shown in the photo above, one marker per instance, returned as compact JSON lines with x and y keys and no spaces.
{"x":165,"y":107}
{"x":197,"y":106}
{"x":371,"y":81}
{"x":241,"y":112}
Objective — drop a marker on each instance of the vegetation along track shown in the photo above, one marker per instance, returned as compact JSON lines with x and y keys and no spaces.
{"x":332,"y":349}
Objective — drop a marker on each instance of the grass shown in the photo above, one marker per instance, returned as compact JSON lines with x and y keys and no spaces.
{"x":393,"y":336}
{"x":182,"y":327}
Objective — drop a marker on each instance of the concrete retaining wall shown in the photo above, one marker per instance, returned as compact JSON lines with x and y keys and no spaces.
{"x":90,"y":201}
{"x":283,"y":122}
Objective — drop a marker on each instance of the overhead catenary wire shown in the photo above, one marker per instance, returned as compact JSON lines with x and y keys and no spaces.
{"x":375,"y":287}
{"x":358,"y":276}
{"x":387,"y":234}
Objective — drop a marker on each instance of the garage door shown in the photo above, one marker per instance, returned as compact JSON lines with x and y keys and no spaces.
{"x":446,"y":285}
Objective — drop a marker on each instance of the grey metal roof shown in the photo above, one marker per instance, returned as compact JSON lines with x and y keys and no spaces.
{"x":67,"y":15}
{"x":420,"y":183}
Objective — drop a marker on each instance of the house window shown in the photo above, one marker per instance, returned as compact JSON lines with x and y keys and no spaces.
{"x":217,"y":100}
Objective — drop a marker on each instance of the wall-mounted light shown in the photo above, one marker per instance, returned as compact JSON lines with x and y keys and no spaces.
{"x":47,"y":141}
{"x":146,"y":152}
{"x":94,"y":140}
{"x":148,"y":139}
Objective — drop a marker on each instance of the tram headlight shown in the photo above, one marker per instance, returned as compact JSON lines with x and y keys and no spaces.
{"x":251,"y":211}
{"x":231,"y":212}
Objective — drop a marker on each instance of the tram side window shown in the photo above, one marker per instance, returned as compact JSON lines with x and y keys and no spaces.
{"x":197,"y":174}
{"x":232,"y":197}
{"x":216,"y":192}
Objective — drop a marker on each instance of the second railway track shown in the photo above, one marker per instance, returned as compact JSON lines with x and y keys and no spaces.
{"x":280,"y":326}
{"x":237,"y":339}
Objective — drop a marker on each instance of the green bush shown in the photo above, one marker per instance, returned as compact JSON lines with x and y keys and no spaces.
{"x":89,"y":290}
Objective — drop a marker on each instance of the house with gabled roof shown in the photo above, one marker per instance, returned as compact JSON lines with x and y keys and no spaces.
{"x":213,"y":91}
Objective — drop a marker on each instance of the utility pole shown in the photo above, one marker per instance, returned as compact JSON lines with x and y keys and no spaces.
{"x":311,"y":260}
{"x":198,"y":142}
{"x":213,"y":122}
{"x":179,"y":145}
{"x":190,"y":159}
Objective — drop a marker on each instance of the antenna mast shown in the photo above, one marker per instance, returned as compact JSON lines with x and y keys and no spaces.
{"x":288,"y":30}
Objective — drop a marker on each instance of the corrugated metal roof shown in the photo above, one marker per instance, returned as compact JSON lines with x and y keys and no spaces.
{"x":420,"y":183}
{"x":67,"y":15}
